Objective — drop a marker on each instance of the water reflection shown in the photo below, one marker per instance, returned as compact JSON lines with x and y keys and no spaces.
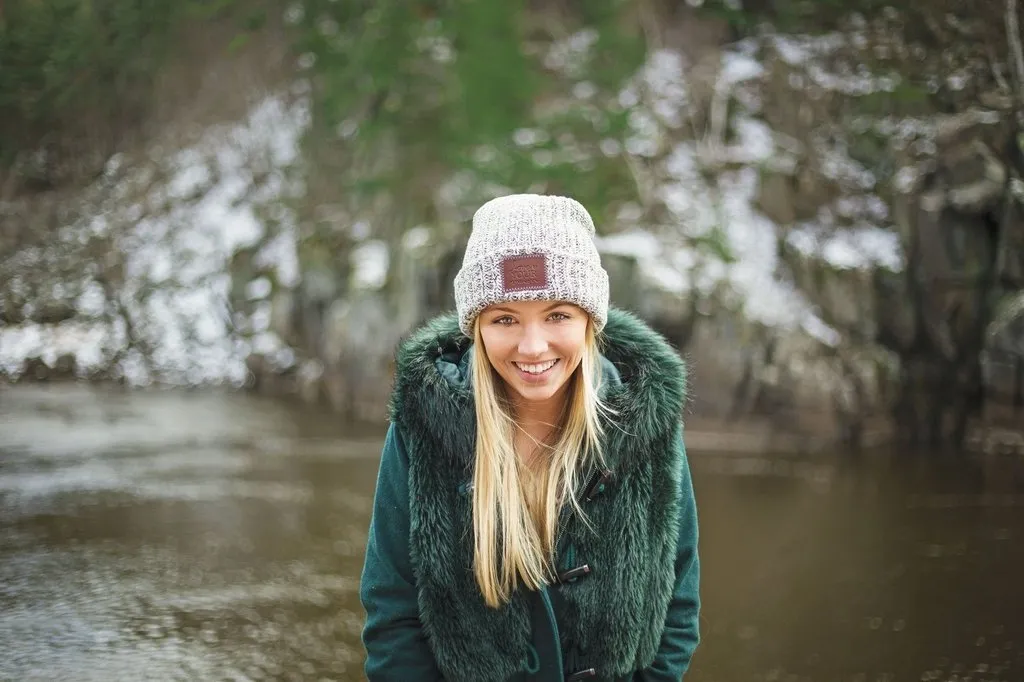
{"x":203,"y":536}
{"x":173,"y":536}
{"x":867,"y":570}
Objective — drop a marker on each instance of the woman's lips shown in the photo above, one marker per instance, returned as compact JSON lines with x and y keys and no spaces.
{"x":530,"y":378}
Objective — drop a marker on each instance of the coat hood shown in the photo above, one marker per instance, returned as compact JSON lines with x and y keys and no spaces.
{"x":644,"y":384}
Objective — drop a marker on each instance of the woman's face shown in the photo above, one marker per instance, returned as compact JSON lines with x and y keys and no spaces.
{"x":534,"y":345}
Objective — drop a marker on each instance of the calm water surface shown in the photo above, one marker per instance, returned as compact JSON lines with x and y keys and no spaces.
{"x":199,"y":536}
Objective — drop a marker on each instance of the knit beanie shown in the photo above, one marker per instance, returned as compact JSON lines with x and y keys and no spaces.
{"x":529,"y":247}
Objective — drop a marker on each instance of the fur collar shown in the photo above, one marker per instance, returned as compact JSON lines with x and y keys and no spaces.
{"x":432,"y":392}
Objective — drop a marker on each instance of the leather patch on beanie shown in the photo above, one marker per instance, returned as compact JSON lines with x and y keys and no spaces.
{"x":522,"y":273}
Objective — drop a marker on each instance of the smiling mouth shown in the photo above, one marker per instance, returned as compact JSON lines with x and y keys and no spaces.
{"x":535,"y":368}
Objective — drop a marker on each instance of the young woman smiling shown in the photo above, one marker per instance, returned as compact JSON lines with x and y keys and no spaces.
{"x":534,"y":517}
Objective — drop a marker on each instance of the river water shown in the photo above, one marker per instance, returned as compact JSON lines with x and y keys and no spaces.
{"x":208,"y":536}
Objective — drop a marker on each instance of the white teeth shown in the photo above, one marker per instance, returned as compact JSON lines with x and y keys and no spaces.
{"x":536,"y":369}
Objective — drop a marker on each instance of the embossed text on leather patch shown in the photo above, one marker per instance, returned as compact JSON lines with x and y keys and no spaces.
{"x":521,"y":273}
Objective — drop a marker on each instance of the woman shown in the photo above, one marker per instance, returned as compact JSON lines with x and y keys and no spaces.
{"x":534,"y":517}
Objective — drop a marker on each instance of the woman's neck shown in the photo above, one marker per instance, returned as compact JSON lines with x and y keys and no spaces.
{"x":538,"y":422}
{"x":535,"y":415}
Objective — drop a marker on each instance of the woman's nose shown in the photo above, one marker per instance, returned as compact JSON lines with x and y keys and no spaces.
{"x":532,"y":343}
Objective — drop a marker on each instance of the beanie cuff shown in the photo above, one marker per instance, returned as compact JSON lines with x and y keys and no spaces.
{"x":569,"y":278}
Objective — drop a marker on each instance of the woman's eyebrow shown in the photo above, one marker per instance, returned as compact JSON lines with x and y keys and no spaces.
{"x":509,"y":310}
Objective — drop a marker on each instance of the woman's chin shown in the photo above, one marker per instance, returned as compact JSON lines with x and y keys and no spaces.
{"x":537,"y":393}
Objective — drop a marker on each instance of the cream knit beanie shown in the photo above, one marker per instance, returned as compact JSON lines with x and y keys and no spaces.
{"x":529,"y":247}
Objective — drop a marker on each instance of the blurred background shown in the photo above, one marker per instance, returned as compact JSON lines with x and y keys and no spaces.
{"x":219,"y":217}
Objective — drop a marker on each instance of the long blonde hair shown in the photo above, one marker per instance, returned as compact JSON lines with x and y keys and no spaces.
{"x":509,"y":545}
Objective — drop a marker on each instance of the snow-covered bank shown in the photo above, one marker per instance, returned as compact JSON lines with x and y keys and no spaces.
{"x":178,"y":309}
{"x":175,"y":221}
{"x":709,"y":189}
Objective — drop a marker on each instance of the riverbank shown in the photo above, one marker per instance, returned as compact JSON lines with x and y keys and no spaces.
{"x":996,"y":432}
{"x":703,"y":434}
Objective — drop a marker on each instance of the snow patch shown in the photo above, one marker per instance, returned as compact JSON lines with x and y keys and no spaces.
{"x":850,"y":248}
{"x":738,"y":67}
{"x":258,"y":289}
{"x":86,"y":342}
{"x":416,"y":237}
{"x":177,"y":247}
{"x":370,"y":262}
{"x":715,"y":241}
{"x":92,"y":300}
{"x":570,"y":55}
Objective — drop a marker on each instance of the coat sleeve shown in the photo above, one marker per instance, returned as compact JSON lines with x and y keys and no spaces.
{"x":681,"y":634}
{"x":396,"y":646}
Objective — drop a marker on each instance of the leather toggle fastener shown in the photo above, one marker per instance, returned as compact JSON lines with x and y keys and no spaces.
{"x":574,"y":573}
{"x":599,"y":485}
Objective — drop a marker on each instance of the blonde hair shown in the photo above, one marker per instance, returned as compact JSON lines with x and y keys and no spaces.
{"x":510,"y":545}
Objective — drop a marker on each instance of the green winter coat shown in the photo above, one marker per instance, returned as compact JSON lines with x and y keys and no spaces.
{"x":626,"y":604}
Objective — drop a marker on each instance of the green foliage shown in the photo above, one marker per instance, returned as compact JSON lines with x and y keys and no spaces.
{"x":422,"y":90}
{"x":716,"y":243}
{"x":62,"y":57}
{"x":906,"y":99}
{"x":872,"y":150}
{"x":73,"y":70}
{"x":495,"y":80}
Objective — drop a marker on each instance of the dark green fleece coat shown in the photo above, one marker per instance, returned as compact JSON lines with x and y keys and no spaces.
{"x":626,"y":604}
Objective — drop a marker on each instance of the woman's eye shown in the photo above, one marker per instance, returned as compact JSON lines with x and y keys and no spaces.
{"x":505,"y":320}
{"x":559,"y":316}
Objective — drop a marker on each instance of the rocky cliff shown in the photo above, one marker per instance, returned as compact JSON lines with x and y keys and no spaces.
{"x":831,"y":249}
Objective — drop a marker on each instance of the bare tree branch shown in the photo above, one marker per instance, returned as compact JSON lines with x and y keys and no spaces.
{"x":997,"y":70}
{"x":1016,"y":51}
